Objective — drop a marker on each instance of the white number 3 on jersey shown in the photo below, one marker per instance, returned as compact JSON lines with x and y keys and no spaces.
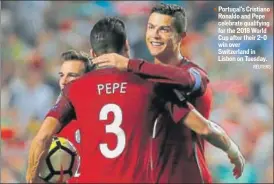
{"x":114,"y":128}
{"x":78,"y":140}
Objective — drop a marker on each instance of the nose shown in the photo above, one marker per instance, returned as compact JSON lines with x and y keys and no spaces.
{"x":156,"y":34}
{"x":63,"y":81}
{"x":153,"y":32}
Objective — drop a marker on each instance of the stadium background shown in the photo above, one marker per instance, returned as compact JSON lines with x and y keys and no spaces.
{"x":35,"y":33}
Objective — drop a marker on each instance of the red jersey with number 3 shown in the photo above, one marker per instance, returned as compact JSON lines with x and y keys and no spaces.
{"x":115,"y":111}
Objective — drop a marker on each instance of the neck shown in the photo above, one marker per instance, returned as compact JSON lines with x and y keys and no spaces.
{"x":104,"y":67}
{"x":170,"y":60}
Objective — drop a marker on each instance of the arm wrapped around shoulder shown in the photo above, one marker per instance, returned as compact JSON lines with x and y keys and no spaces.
{"x":188,"y":79}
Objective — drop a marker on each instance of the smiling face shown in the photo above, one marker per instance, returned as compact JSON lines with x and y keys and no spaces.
{"x":161,"y":37}
{"x":69,"y":71}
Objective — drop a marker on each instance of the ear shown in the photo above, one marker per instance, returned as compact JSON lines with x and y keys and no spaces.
{"x":127,"y":48}
{"x":180,"y":38}
{"x":183,"y":35}
{"x":180,"y":49}
{"x":92,"y":53}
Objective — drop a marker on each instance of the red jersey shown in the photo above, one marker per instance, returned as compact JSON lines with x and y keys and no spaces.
{"x":73,"y":134}
{"x":177,"y":152}
{"x":115,"y":111}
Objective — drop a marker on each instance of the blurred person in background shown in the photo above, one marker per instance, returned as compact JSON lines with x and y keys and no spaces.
{"x":8,"y":114}
{"x":6,"y":77}
{"x":26,"y":97}
{"x":31,"y":97}
{"x":28,"y":27}
{"x":260,"y":129}
{"x":255,"y":136}
{"x":14,"y":48}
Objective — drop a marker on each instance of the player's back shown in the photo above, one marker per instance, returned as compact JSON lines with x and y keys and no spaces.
{"x":115,"y":111}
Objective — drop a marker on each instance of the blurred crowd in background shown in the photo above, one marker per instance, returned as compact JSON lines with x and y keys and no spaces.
{"x":35,"y":33}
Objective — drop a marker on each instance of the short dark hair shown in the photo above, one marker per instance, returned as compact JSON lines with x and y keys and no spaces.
{"x":176,"y":11}
{"x":80,"y":56}
{"x":108,"y":35}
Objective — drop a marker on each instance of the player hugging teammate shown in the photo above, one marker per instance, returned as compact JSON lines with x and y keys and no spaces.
{"x":75,"y":64}
{"x":120,"y":141}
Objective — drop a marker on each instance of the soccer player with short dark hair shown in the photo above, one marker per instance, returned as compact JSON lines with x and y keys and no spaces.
{"x":75,"y":65}
{"x":102,"y":37}
{"x":181,"y":148}
{"x":184,"y":160}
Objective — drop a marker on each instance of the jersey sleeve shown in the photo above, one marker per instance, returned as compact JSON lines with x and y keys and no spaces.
{"x":63,"y":110}
{"x":179,"y":111}
{"x":191,"y":80}
{"x":173,"y":100}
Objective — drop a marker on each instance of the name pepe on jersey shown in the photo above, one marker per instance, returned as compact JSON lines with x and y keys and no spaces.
{"x":111,"y":88}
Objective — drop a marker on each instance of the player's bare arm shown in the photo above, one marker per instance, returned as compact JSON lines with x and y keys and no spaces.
{"x":39,"y":148}
{"x":215,"y":135}
{"x":189,"y":80}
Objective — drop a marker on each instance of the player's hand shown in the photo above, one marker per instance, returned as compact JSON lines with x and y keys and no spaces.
{"x":111,"y":60}
{"x":32,"y":175}
{"x":238,"y":162}
{"x":237,"y":159}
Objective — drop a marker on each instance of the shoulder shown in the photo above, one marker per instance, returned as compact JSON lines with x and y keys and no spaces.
{"x":78,"y":82}
{"x":187,"y":64}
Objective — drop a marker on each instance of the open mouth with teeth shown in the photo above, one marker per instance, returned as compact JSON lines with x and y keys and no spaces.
{"x":156,"y":44}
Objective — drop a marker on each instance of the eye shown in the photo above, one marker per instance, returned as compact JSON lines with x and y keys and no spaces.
{"x":165,"y":30}
{"x":73,"y":75}
{"x":150,"y":26}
